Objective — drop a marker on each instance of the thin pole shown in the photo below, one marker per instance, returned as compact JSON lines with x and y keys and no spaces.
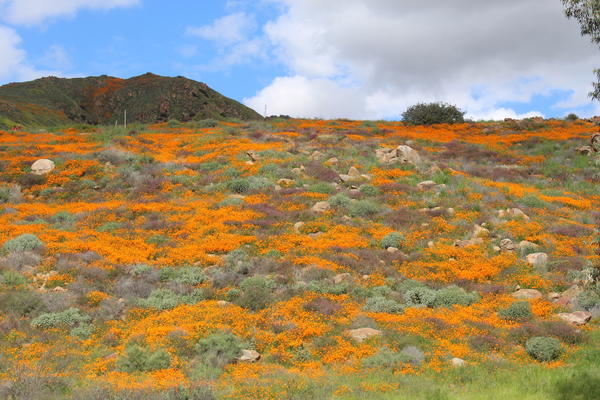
{"x":125,"y":119}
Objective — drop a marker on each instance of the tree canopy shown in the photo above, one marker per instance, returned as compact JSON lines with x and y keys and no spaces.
{"x":587,"y":13}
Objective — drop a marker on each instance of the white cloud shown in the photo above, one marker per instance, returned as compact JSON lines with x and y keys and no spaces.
{"x":56,"y":57}
{"x":387,"y":54}
{"x":227,"y":30}
{"x":13,"y":63}
{"x":32,"y":12}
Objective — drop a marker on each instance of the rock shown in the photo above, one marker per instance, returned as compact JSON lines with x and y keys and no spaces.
{"x":553,"y":296}
{"x":321,"y":207}
{"x":223,"y":303}
{"x":298,"y":225}
{"x":361,"y":334}
{"x":403,"y":154}
{"x":507,"y":245}
{"x":426,"y":185}
{"x":332,"y":160}
{"x":524,"y":245}
{"x":469,"y":242}
{"x":577,"y":318}
{"x":568,"y":298}
{"x":496,"y":249}
{"x":252,"y":155}
{"x":408,"y":155}
{"x":316,"y":155}
{"x":286,"y":182}
{"x":249,"y":356}
{"x":392,"y":249}
{"x":451,"y":212}
{"x":431,"y":244}
{"x":537,"y":259}
{"x":480,"y":231}
{"x":527,"y":294}
{"x":585,"y":150}
{"x":512,"y":213}
{"x":340,"y":278}
{"x":458,"y":362}
{"x":42,"y":166}
{"x":353,"y":172}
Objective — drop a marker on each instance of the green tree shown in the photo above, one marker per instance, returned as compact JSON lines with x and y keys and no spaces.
{"x":587,"y":13}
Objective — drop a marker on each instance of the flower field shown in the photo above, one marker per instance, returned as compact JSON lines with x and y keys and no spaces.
{"x":294,"y":259}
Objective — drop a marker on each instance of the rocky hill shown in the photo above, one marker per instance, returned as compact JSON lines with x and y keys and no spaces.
{"x":147,"y":98}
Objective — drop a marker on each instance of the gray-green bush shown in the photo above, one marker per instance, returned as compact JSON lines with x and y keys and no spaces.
{"x":543,"y":348}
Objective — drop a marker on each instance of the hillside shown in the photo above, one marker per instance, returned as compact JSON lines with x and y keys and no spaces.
{"x":147,"y":98}
{"x":301,"y":259}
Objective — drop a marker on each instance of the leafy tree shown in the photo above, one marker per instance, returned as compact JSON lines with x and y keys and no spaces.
{"x":587,"y":13}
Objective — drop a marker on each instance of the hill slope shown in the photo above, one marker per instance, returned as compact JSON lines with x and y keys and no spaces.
{"x":147,"y":98}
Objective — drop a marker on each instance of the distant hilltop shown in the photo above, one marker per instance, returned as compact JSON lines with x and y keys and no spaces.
{"x":103,"y":99}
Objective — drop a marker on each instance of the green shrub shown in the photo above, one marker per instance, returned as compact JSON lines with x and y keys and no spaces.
{"x":339,"y":200}
{"x":137,"y":358}
{"x":517,"y":311}
{"x":12,"y":279}
{"x":165,"y":299}
{"x":63,"y":220}
{"x":188,"y":275}
{"x":393,"y":239}
{"x":321,"y":187}
{"x":419,"y":296}
{"x":363,"y":208}
{"x":238,"y":185}
{"x":383,"y":305}
{"x":451,"y":295}
{"x":24,"y":242}
{"x":589,"y":299}
{"x":369,"y":190}
{"x":256,"y":292}
{"x":70,"y":318}
{"x":219,"y":349}
{"x":543,"y":348}
{"x":571,"y":117}
{"x":385,"y":358}
{"x":432,"y":113}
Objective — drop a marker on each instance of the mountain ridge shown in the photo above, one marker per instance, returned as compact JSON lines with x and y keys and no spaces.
{"x":103,"y":99}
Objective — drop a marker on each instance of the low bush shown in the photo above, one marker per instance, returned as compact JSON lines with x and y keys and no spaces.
{"x":322,"y":305}
{"x":517,"y":311}
{"x":24,"y":242}
{"x":138,"y":358}
{"x":256,"y":293}
{"x":419,"y":296}
{"x":165,"y":299}
{"x":383,"y":305}
{"x":238,"y":185}
{"x":543,"y":348}
{"x":12,"y":279}
{"x":452,"y":295}
{"x":393,"y":239}
{"x":363,"y":208}
{"x":21,"y":302}
{"x":387,"y":359}
{"x":68,"y":318}
{"x":219,"y":349}
{"x":432,"y":113}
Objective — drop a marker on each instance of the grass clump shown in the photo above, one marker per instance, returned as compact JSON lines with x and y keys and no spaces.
{"x":517,"y":311}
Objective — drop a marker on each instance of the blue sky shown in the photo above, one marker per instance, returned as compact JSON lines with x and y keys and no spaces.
{"x":364,"y":59}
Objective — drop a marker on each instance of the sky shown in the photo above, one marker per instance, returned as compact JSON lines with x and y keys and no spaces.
{"x":357,"y":59}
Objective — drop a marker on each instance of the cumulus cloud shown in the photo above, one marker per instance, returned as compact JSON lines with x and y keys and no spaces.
{"x":32,"y":12}
{"x":373,"y":58}
{"x":229,"y":29}
{"x":13,"y":63}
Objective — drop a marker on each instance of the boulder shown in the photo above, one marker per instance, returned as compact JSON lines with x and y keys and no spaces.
{"x":321,"y":207}
{"x":537,"y":259}
{"x":507,"y":245}
{"x":527,"y":294}
{"x":340,"y":278}
{"x":458,"y":362}
{"x":353,"y":172}
{"x":524,"y":245}
{"x":298,"y":226}
{"x":568,"y":298}
{"x":42,"y":166}
{"x":407,"y":154}
{"x":469,"y":242}
{"x":577,"y":318}
{"x":584,"y":150}
{"x":512,"y":213}
{"x":480,"y":231}
{"x":426,"y":185}
{"x":362,"y":334}
{"x":249,"y":356}
{"x":252,"y":155}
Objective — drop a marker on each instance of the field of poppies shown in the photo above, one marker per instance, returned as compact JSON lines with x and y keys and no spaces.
{"x":300,"y":259}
